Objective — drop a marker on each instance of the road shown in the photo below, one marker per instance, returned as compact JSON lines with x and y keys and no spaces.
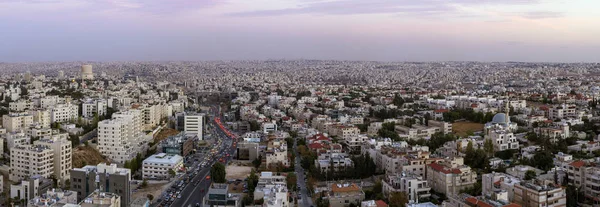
{"x":191,"y":194}
{"x":305,"y":200}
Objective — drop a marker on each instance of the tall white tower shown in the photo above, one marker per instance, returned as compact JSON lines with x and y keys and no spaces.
{"x":86,"y":72}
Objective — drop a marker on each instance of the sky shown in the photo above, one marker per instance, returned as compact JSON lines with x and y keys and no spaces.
{"x":378,"y":30}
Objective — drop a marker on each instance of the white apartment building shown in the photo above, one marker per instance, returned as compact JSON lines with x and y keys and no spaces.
{"x":415,"y":186}
{"x":92,"y":107}
{"x":64,"y":113}
{"x":16,"y":121}
{"x":49,"y":101}
{"x":62,"y":151}
{"x":193,"y":124}
{"x":16,"y":138}
{"x":41,"y":117}
{"x":354,"y":142}
{"x":116,"y":140}
{"x":157,"y":166}
{"x":39,"y":132}
{"x":503,"y":140}
{"x":20,"y":106}
{"x":563,"y":111}
{"x":29,"y":160}
{"x":152,"y":115}
{"x":416,"y":131}
{"x":272,"y":189}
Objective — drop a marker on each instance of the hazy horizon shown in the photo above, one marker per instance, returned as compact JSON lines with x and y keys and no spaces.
{"x":376,"y":30}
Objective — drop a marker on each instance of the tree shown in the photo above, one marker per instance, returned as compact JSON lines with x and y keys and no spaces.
{"x":252,"y":181}
{"x":172,"y":172}
{"x":144,"y":183}
{"x":150,"y":197}
{"x":217,"y":172}
{"x":398,"y":199}
{"x":488,"y":146}
{"x":256,"y":162}
{"x":530,"y":174}
{"x":291,"y":181}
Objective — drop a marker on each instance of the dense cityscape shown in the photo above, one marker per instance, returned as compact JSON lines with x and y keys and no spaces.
{"x":283,"y":133}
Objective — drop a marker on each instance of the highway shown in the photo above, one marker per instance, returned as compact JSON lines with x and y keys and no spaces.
{"x":192,"y":194}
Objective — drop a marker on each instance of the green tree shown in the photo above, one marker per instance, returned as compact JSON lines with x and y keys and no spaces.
{"x":488,"y":146}
{"x":530,"y":174}
{"x":291,"y":180}
{"x":252,"y":181}
{"x":217,"y":172}
{"x":144,"y":183}
{"x":150,"y":197}
{"x":172,"y":172}
{"x":398,"y":199}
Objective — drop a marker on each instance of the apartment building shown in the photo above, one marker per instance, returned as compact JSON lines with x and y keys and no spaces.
{"x":374,"y":128}
{"x":554,"y":133}
{"x":16,"y":138}
{"x":49,"y":101}
{"x":563,"y":111}
{"x":416,"y":131}
{"x":247,"y":150}
{"x":355,"y":142}
{"x":276,"y":153}
{"x":108,"y":178}
{"x":41,"y":117}
{"x":158,"y":166}
{"x":62,"y":160}
{"x":450,"y":176}
{"x":502,"y":140}
{"x":341,"y":195}
{"x":193,"y":124}
{"x":15,"y":122}
{"x":38,"y":132}
{"x":63,"y":113}
{"x":445,"y":126}
{"x":539,"y":193}
{"x":498,"y":199}
{"x":20,"y":106}
{"x":92,"y":107}
{"x":494,"y":182}
{"x":336,"y":162}
{"x":268,"y":127}
{"x":413,"y":185}
{"x":115,"y":140}
{"x":272,"y":189}
{"x":29,"y":160}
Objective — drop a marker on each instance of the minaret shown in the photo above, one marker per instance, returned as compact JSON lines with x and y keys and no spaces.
{"x":506,"y":112}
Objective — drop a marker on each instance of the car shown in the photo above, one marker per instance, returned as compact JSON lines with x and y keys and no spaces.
{"x":178,"y":196}
{"x":197,"y":204}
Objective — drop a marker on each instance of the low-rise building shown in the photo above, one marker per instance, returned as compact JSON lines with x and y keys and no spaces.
{"x":158,"y":166}
{"x":180,"y":144}
{"x":102,"y":199}
{"x":30,"y":188}
{"x":54,"y":197}
{"x":218,"y":195}
{"x":341,"y":195}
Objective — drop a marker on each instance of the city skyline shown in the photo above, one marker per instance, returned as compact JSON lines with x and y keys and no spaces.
{"x":379,"y":30}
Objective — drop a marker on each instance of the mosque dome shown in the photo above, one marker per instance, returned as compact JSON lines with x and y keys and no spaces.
{"x":500,"y":118}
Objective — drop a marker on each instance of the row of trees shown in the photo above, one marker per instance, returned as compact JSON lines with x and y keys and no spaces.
{"x":468,"y":114}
